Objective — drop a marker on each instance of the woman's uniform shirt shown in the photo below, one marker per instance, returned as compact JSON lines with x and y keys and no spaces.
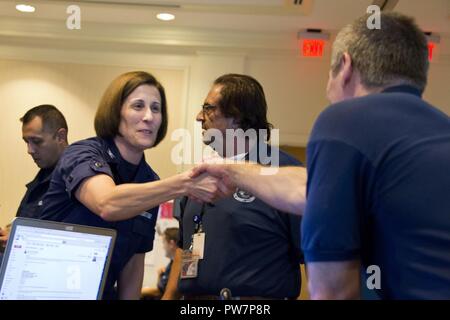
{"x":85,"y":159}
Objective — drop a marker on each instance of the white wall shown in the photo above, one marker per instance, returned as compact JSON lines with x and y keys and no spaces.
{"x":295,"y":91}
{"x":438,"y":88}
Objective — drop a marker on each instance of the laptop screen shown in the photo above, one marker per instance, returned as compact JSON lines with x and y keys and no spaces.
{"x":46,"y":263}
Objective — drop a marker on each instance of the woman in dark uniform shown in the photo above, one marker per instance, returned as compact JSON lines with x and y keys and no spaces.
{"x":105,"y":181}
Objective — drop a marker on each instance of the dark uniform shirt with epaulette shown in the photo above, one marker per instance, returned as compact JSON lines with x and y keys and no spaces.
{"x":32,"y":201}
{"x":87,"y":158}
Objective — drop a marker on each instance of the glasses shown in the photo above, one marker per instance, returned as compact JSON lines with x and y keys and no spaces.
{"x":207,"y":108}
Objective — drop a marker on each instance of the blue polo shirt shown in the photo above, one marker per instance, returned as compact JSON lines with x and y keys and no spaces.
{"x":379,"y":190}
{"x":87,"y":158}
{"x":250,"y":248}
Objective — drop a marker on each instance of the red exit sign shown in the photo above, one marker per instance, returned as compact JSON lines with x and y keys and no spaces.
{"x":433,"y":40}
{"x":430,"y":50}
{"x":312,"y":47}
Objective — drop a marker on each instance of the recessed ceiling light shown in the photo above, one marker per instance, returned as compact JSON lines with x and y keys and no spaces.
{"x":165,"y":16}
{"x":25,"y":8}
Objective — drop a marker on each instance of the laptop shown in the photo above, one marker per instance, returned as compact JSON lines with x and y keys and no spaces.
{"x":46,"y":260}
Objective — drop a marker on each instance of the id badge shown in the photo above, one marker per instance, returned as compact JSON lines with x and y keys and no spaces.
{"x":198,"y":244}
{"x":189,"y":265}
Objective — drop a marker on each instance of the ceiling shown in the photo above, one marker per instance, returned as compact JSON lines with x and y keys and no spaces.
{"x":255,"y":15}
{"x":204,"y":23}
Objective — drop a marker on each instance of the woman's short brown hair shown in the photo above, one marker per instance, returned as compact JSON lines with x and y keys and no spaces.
{"x":107,"y":118}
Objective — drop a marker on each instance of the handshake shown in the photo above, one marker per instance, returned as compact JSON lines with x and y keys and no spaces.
{"x":210,"y":182}
{"x":281,"y":188}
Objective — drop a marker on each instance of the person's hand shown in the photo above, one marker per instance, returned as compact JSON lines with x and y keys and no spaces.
{"x":4,"y":236}
{"x":204,"y":188}
{"x":214,"y":173}
{"x":217,"y":170}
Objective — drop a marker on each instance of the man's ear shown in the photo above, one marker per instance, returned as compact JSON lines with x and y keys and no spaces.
{"x":346,"y":69}
{"x":236,"y":124}
{"x":61,"y":135}
{"x":232,"y":123}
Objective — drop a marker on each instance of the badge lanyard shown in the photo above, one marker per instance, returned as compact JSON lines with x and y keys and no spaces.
{"x":198,"y":221}
{"x":190,"y":258}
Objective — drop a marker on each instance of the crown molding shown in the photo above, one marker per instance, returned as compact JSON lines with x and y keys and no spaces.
{"x":186,"y":40}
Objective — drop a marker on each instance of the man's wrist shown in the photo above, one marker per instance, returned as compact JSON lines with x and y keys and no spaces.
{"x":239,"y":173}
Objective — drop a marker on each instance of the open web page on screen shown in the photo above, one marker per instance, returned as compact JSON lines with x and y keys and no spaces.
{"x":54,"y":264}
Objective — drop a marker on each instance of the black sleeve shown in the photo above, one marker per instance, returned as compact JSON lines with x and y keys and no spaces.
{"x":179,"y":205}
{"x":294,"y":224}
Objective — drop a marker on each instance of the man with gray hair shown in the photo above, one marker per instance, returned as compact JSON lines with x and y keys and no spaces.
{"x":378,"y":164}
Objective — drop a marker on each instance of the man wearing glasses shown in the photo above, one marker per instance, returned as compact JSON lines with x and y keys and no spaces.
{"x":237,"y":247}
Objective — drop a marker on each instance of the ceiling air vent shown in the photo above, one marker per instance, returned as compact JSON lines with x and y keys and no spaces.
{"x":304,"y":6}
